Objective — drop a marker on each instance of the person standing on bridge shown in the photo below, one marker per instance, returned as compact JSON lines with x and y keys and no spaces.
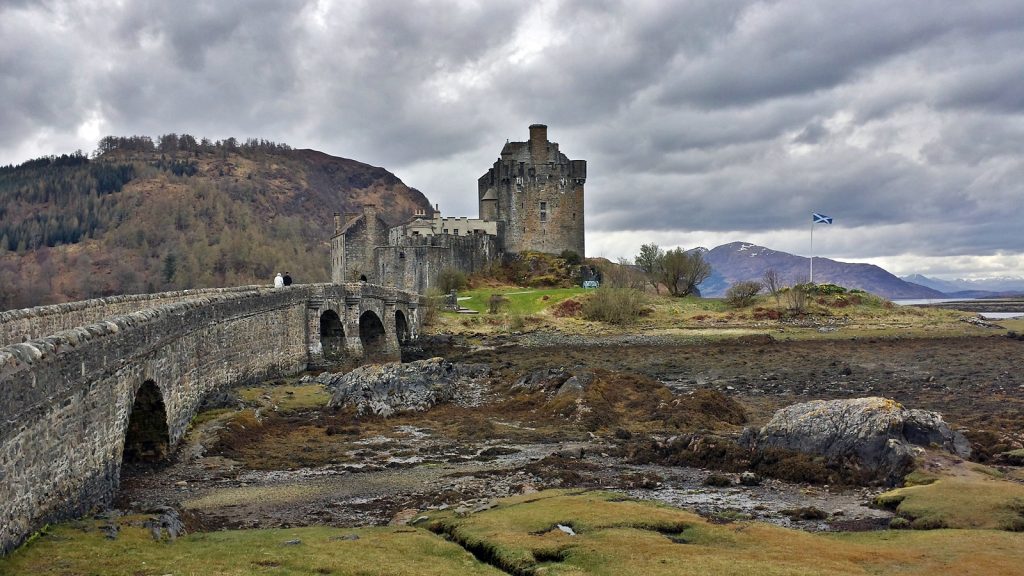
{"x":278,"y":281}
{"x":287,"y":278}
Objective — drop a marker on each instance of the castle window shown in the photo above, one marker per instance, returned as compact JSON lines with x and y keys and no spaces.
{"x":401,"y":255}
{"x":455,"y":232}
{"x":543,"y":211}
{"x":444,"y":231}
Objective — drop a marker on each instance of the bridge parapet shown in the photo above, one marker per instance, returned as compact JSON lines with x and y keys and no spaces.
{"x":30,"y":323}
{"x":66,"y":397}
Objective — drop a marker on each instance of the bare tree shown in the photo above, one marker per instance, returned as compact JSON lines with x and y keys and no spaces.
{"x":773,"y":283}
{"x":622,"y":275}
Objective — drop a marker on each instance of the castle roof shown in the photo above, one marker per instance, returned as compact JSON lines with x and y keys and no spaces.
{"x":350,"y":224}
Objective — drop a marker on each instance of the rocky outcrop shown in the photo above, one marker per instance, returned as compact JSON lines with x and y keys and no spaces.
{"x":384,"y":389}
{"x":558,"y":381}
{"x":878,"y":437}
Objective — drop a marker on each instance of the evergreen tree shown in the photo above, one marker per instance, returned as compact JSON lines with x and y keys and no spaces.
{"x":170,"y":267}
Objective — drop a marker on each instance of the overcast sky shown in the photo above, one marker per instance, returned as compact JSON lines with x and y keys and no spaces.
{"x":703,"y":122}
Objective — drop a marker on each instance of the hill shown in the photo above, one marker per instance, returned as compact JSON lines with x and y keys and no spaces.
{"x":738,"y":261}
{"x":178,"y":213}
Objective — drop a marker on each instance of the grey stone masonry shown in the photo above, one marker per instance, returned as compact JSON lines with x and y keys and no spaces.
{"x":26,"y":324}
{"x":66,"y":398}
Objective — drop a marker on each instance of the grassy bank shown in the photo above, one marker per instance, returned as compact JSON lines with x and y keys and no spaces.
{"x":82,"y":548}
{"x":529,"y":534}
{"x":821,"y":317}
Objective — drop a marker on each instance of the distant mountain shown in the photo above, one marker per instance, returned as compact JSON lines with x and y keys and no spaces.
{"x":738,"y":261}
{"x":178,"y":213}
{"x":964,"y":288}
{"x":944,"y":286}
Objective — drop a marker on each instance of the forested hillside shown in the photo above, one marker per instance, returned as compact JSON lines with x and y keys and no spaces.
{"x":144,"y":215}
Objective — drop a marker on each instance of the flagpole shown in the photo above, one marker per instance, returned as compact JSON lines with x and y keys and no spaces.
{"x":812,"y":251}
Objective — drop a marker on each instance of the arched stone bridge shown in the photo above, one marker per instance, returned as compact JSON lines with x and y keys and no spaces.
{"x":88,"y":384}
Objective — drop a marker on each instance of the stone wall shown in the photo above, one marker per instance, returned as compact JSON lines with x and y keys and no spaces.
{"x":352,"y":247}
{"x":29,"y":323}
{"x":66,"y":398}
{"x":415,"y":263}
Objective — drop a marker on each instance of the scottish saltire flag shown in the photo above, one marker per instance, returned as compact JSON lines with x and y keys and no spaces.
{"x":821,"y":218}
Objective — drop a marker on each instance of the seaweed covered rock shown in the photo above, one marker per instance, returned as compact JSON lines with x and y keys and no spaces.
{"x":878,"y":437}
{"x":384,"y":389}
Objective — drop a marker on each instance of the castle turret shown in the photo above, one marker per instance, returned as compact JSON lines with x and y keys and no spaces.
{"x":538,"y":144}
{"x":536,"y":193}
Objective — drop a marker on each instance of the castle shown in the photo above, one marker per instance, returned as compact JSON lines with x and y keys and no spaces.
{"x":530,"y":200}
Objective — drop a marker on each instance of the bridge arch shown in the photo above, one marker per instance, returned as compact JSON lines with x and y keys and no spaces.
{"x":147,"y":438}
{"x":332,"y":335}
{"x":372,"y":334}
{"x":402,"y":331}
{"x":130,"y":373}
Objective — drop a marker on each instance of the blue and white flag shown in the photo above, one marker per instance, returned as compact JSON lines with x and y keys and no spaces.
{"x":821,"y":218}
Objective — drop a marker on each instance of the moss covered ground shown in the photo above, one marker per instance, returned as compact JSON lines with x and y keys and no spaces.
{"x":81,"y":548}
{"x":960,"y":495}
{"x":528,"y":534}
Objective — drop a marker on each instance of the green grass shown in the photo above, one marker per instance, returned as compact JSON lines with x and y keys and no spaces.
{"x":287,"y":396}
{"x":977,"y":497}
{"x":80,"y":548}
{"x":873,"y":317}
{"x":521,"y":301}
{"x":614,"y":536}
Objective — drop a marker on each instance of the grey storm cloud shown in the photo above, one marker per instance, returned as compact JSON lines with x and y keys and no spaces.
{"x":903,"y":120}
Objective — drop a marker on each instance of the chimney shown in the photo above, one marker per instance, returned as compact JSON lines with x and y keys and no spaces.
{"x":337,"y":222}
{"x":538,"y":144}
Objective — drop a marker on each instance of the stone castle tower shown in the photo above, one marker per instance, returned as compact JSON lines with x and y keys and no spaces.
{"x":531,"y":200}
{"x":537,"y":192}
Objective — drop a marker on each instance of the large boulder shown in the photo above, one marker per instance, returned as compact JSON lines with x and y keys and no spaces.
{"x":877,"y":437}
{"x":384,"y":389}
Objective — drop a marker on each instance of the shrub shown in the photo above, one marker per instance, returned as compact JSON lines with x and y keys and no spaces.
{"x":796,"y":298}
{"x":450,"y":279}
{"x":827,"y":289}
{"x":622,"y":275}
{"x":545,"y":281}
{"x":567,"y":309}
{"x":742,"y":294}
{"x":571,"y":257}
{"x":434,"y":302}
{"x":516,"y":322}
{"x":899,"y":523}
{"x":496,"y":303}
{"x":614,"y":305}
